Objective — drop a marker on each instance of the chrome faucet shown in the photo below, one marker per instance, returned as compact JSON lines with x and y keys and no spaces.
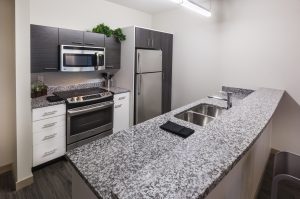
{"x":228,"y":99}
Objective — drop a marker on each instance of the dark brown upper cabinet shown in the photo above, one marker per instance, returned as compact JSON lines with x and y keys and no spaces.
{"x":167,"y":50}
{"x":93,"y":39}
{"x":112,"y":53}
{"x":44,"y":49}
{"x":147,"y":39}
{"x":70,"y":37}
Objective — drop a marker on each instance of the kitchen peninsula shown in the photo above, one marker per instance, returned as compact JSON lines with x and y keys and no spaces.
{"x":147,"y":162}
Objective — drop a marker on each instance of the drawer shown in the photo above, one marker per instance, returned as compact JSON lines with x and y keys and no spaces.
{"x":49,"y":124}
{"x":48,"y":112}
{"x":48,"y":135}
{"x":49,"y":150}
{"x":121,"y":97}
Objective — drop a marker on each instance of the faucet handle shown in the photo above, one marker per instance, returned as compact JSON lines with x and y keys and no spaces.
{"x":229,"y":94}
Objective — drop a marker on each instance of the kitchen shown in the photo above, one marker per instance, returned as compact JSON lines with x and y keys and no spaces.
{"x":194,"y":56}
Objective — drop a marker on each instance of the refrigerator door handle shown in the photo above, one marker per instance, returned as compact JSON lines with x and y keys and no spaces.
{"x":138,"y":63}
{"x":139,"y":85}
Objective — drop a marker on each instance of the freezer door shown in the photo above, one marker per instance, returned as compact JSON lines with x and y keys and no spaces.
{"x":148,"y":96}
{"x":148,"y":61}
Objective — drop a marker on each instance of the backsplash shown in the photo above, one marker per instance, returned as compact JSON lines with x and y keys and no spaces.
{"x":67,"y":79}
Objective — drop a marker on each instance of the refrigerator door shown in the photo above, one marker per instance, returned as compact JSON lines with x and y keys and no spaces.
{"x":148,"y":96}
{"x":148,"y":61}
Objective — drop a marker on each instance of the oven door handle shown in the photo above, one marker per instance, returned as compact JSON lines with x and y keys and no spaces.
{"x":90,"y":109}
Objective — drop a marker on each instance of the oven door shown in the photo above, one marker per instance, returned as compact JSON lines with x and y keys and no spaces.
{"x":85,"y":122}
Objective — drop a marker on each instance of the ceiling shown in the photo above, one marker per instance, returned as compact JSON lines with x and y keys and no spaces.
{"x":148,"y":6}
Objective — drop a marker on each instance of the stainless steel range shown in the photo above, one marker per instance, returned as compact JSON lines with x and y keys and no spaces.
{"x":89,"y":115}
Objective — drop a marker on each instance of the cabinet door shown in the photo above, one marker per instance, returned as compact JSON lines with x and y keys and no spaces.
{"x":167,"y":49}
{"x":93,"y":39}
{"x":142,"y":38}
{"x":44,"y":49}
{"x":155,"y":40}
{"x":112,"y":53}
{"x":70,"y":37}
{"x":121,"y":112}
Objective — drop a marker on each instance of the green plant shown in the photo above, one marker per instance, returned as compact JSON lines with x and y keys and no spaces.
{"x":118,"y":34}
{"x":106,"y":30}
{"x":103,"y":29}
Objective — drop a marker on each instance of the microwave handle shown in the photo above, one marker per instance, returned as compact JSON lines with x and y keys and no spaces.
{"x":90,"y":109}
{"x":97,"y":59}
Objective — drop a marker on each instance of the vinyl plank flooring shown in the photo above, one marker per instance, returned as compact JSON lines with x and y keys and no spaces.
{"x":50,"y":182}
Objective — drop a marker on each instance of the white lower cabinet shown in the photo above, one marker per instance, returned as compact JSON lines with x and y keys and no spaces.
{"x":121,"y":112}
{"x":49,"y":133}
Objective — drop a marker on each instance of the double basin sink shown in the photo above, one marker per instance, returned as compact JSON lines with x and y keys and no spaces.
{"x":201,"y":114}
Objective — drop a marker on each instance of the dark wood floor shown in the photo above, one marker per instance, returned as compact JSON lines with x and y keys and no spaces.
{"x":51,"y":182}
{"x":54,"y":182}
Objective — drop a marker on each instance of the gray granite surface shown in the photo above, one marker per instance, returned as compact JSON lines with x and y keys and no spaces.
{"x":116,"y":90}
{"x":42,"y":101}
{"x":147,"y":162}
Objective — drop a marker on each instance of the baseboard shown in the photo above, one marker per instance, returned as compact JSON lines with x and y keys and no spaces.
{"x":24,"y":183}
{"x":274,"y":151}
{"x":5,"y":168}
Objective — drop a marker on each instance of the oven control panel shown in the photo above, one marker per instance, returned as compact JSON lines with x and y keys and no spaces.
{"x":88,"y":98}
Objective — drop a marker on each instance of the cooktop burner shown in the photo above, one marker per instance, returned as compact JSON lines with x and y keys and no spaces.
{"x":83,"y":95}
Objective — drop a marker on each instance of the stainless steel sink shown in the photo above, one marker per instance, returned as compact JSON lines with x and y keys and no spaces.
{"x":208,"y":109}
{"x":201,"y":114}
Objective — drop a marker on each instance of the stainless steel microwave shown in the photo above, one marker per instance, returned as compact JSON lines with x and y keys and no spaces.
{"x":81,"y":58}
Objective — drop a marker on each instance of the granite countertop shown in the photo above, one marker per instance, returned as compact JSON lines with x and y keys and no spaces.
{"x":41,"y":102}
{"x":147,"y":162}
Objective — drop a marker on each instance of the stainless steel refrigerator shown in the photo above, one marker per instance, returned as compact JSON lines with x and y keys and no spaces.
{"x":148,"y":85}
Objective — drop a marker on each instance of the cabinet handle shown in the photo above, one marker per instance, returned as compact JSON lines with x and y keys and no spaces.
{"x":48,"y":137}
{"x":50,"y":69}
{"x":49,"y":153}
{"x":76,"y":42}
{"x":89,"y":44}
{"x":49,"y":113}
{"x":148,"y":42}
{"x":109,"y":66}
{"x":49,"y":125}
{"x":152,"y":42}
{"x":118,"y":106}
{"x":121,"y":98}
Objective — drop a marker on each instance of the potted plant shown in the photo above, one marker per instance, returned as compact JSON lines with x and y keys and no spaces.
{"x":106,"y":30}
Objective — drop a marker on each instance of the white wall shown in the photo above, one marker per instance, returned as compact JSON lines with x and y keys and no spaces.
{"x":23,"y":101}
{"x":84,"y":15}
{"x":195,"y":53}
{"x":260,"y":48}
{"x":7,"y":83}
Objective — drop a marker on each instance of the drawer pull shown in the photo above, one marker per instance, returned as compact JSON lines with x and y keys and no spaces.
{"x":121,"y":98}
{"x":49,"y":153}
{"x":118,"y":106}
{"x":49,"y":113}
{"x":48,"y":137}
{"x":109,"y":66}
{"x":49,"y":125}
